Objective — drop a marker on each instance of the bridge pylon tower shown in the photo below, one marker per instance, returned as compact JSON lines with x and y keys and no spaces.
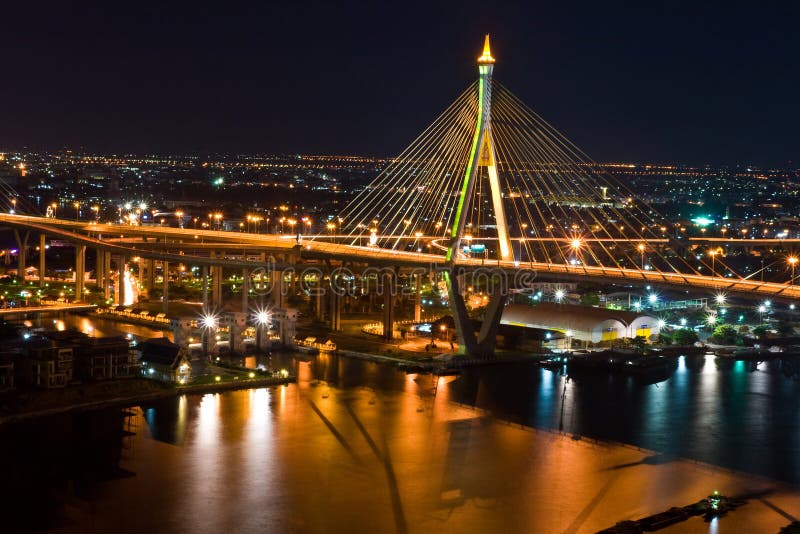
{"x":482,"y":156}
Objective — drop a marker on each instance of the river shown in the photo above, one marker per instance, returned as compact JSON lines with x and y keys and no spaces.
{"x":362,"y":447}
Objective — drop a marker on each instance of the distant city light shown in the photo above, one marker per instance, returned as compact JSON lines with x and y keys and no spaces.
{"x":702,"y":221}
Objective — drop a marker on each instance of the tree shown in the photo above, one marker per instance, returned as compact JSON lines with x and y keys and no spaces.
{"x":590,"y":299}
{"x":724,"y":334}
{"x":684,"y":336}
{"x":760,"y":331}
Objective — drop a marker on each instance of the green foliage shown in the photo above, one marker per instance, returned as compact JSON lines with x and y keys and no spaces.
{"x":724,"y":334}
{"x":684,"y":336}
{"x":590,"y":299}
{"x":760,"y":331}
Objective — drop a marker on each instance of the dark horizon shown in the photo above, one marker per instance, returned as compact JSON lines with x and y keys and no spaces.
{"x":712,"y":84}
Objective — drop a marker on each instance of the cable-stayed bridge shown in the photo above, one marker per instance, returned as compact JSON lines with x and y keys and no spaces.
{"x":488,"y":184}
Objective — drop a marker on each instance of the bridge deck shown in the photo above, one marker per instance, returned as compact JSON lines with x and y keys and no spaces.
{"x":99,"y":234}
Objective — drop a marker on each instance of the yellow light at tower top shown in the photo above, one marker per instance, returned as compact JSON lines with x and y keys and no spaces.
{"x":486,"y":57}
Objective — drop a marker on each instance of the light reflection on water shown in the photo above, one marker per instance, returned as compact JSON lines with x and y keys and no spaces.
{"x":352,"y":432}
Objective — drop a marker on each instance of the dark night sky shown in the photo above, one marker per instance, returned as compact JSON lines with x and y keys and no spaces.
{"x":695,"y":82}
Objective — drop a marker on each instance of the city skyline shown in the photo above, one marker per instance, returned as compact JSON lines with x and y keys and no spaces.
{"x":275,"y":80}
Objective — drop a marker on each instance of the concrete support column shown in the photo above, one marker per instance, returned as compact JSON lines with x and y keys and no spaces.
{"x":216,"y":286}
{"x":22,"y":252}
{"x":204,"y":271}
{"x":319,"y":300}
{"x":149,"y":277}
{"x":106,"y":270}
{"x":42,"y":258}
{"x":388,"y":305}
{"x":165,"y":290}
{"x":418,"y":301}
{"x":80,"y":270}
{"x":245,"y":290}
{"x":99,"y":264}
{"x":335,"y":306}
{"x":276,"y":288}
{"x":467,"y":344}
{"x":121,"y":261}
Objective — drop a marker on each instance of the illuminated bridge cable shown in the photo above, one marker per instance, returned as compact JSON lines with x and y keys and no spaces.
{"x":408,"y":179}
{"x":561,"y":208}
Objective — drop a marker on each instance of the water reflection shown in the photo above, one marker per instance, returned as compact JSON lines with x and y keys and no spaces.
{"x":352,"y":430}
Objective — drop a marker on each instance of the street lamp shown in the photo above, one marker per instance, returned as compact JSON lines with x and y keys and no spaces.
{"x":713,"y":254}
{"x":641,"y":250}
{"x":793,"y":262}
{"x":179,"y":216}
{"x":209,"y":323}
{"x":261,"y":318}
{"x":575,"y":244}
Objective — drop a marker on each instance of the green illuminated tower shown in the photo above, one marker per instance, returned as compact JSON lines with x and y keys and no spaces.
{"x":482,"y":154}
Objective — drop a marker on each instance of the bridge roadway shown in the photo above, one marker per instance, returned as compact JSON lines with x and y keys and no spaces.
{"x":103,"y":236}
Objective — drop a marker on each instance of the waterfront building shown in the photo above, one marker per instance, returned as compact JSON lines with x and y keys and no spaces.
{"x":44,"y":363}
{"x":582,"y":323}
{"x":163,"y":360}
{"x":105,"y":358}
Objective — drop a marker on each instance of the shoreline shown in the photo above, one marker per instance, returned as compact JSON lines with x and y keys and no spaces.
{"x":137,"y":398}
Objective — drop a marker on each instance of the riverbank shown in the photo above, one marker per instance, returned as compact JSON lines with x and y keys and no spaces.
{"x":18,"y":406}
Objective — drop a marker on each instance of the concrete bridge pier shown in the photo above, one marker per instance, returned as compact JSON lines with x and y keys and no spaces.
{"x":418,"y":300}
{"x":42,"y":258}
{"x":237,"y":323}
{"x":204,"y":283}
{"x":119,"y":287}
{"x":487,"y":337}
{"x":276,"y":288}
{"x":387,"y":286}
{"x":216,"y":286}
{"x":80,"y":271}
{"x":149,"y":275}
{"x":319,"y":299}
{"x":106,"y":279}
{"x":22,"y":252}
{"x":245,"y":290}
{"x":335,"y":305}
{"x":99,"y":263}
{"x":467,"y":344}
{"x":165,"y":290}
{"x":263,"y":342}
{"x":483,"y":345}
